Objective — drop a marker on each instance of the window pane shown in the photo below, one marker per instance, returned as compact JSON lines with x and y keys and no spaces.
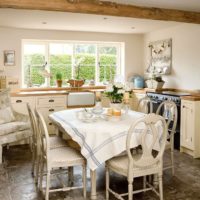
{"x":85,"y":59}
{"x":60,"y":61}
{"x":107,"y":61}
{"x":34,"y":62}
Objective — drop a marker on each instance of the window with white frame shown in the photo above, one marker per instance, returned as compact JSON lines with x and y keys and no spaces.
{"x":42,"y":60}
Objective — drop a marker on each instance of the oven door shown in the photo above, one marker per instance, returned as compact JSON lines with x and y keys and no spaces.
{"x":156,"y":104}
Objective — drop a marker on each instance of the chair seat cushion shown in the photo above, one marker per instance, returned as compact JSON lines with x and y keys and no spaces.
{"x":13,"y":127}
{"x":120,"y":165}
{"x":65,"y":156}
{"x":57,"y":142}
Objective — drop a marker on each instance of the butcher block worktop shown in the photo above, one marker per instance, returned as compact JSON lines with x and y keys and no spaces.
{"x":195,"y":95}
{"x":54,"y":91}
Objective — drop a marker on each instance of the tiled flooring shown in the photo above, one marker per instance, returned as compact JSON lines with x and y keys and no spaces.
{"x":16,"y":182}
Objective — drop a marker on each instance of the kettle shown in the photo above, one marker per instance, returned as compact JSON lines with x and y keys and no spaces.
{"x":138,"y":82}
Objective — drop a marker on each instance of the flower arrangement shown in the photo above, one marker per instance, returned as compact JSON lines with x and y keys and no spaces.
{"x":115,"y":92}
{"x":155,"y":80}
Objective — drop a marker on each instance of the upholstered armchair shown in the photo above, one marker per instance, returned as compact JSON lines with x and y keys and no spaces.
{"x":14,"y":127}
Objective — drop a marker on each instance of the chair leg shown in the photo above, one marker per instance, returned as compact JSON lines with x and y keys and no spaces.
{"x":41,"y":174}
{"x":130,"y":190}
{"x":160,"y":187}
{"x":107,"y":183}
{"x":47,"y":185}
{"x":70,"y":176}
{"x":33,"y":162}
{"x":38,"y":160}
{"x":1,"y":154}
{"x":30,"y":141}
{"x":84,"y":181}
{"x":172,"y":161}
{"x":144,"y":182}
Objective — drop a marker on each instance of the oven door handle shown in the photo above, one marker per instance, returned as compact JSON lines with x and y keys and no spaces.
{"x":156,"y":102}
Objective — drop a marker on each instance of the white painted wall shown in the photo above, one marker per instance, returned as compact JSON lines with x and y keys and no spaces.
{"x":185,"y":55}
{"x":10,"y":39}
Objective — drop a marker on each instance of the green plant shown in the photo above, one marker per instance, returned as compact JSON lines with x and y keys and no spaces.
{"x":115,"y":92}
{"x":58,"y":76}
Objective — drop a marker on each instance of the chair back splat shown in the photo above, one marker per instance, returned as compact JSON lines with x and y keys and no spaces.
{"x":43,"y":135}
{"x":150,"y":129}
{"x":145,"y":105}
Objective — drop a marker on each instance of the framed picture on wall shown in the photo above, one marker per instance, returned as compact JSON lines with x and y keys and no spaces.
{"x":9,"y":58}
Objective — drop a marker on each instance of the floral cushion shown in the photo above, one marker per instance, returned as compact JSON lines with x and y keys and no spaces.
{"x":6,"y":115}
{"x":13,"y":127}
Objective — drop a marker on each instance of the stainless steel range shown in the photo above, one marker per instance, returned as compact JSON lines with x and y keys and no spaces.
{"x":158,"y":97}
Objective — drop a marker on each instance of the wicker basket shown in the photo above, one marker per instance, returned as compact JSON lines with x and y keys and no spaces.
{"x":75,"y":83}
{"x":153,"y":84}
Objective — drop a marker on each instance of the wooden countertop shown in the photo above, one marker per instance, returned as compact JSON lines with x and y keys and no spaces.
{"x":191,"y":98}
{"x":54,"y":91}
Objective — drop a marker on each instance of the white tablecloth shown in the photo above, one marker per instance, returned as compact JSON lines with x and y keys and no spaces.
{"x":100,"y":140}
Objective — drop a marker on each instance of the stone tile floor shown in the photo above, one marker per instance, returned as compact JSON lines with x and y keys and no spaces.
{"x":16,"y":182}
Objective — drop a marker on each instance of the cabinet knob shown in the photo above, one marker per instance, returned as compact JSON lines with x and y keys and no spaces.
{"x":51,"y":110}
{"x":50,"y":124}
{"x":51,"y":100}
{"x":18,"y":101}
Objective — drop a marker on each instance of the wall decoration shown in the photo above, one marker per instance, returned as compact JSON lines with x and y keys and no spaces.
{"x":160,"y":57}
{"x":9,"y":58}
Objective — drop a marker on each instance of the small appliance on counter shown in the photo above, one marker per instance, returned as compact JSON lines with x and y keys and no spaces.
{"x":138,"y":82}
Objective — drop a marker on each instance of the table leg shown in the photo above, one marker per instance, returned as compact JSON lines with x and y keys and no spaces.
{"x":93,"y":184}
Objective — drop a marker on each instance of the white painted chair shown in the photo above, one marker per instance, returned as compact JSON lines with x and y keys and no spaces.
{"x":168,"y":110}
{"x":57,"y":158}
{"x":143,"y":164}
{"x":145,"y":105}
{"x":14,"y":126}
{"x":55,"y":142}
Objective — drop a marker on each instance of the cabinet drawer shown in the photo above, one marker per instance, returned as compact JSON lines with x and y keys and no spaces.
{"x":51,"y":101}
{"x":49,"y":110}
{"x":19,"y":104}
{"x":19,"y":100}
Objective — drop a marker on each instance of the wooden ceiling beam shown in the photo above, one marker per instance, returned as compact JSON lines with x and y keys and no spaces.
{"x":104,"y":8}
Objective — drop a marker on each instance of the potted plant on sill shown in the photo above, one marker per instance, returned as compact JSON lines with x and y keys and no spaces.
{"x":59,"y":79}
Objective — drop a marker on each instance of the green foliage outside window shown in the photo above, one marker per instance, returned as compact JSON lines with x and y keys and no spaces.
{"x":34,"y":64}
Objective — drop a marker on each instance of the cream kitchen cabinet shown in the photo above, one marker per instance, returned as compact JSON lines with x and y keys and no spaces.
{"x":49,"y":104}
{"x":190,"y":127}
{"x":134,"y":100}
{"x":19,"y":104}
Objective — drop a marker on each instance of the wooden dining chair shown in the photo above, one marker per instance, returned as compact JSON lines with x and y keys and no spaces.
{"x":145,"y":105}
{"x":168,"y":110}
{"x":55,"y":142}
{"x":143,"y":164}
{"x":57,"y":158}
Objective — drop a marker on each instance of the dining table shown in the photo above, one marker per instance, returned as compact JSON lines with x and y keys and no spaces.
{"x":101,"y":138}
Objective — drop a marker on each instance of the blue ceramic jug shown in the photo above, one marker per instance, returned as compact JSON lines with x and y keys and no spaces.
{"x":138,"y":82}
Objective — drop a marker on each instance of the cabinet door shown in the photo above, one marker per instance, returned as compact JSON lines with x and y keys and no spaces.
{"x":51,"y":101}
{"x":46,"y":112}
{"x":187,"y":124}
{"x":20,"y":104}
{"x":135,"y":100}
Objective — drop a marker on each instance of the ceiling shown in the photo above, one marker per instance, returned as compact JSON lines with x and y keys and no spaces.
{"x":51,"y":20}
{"x":187,"y":5}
